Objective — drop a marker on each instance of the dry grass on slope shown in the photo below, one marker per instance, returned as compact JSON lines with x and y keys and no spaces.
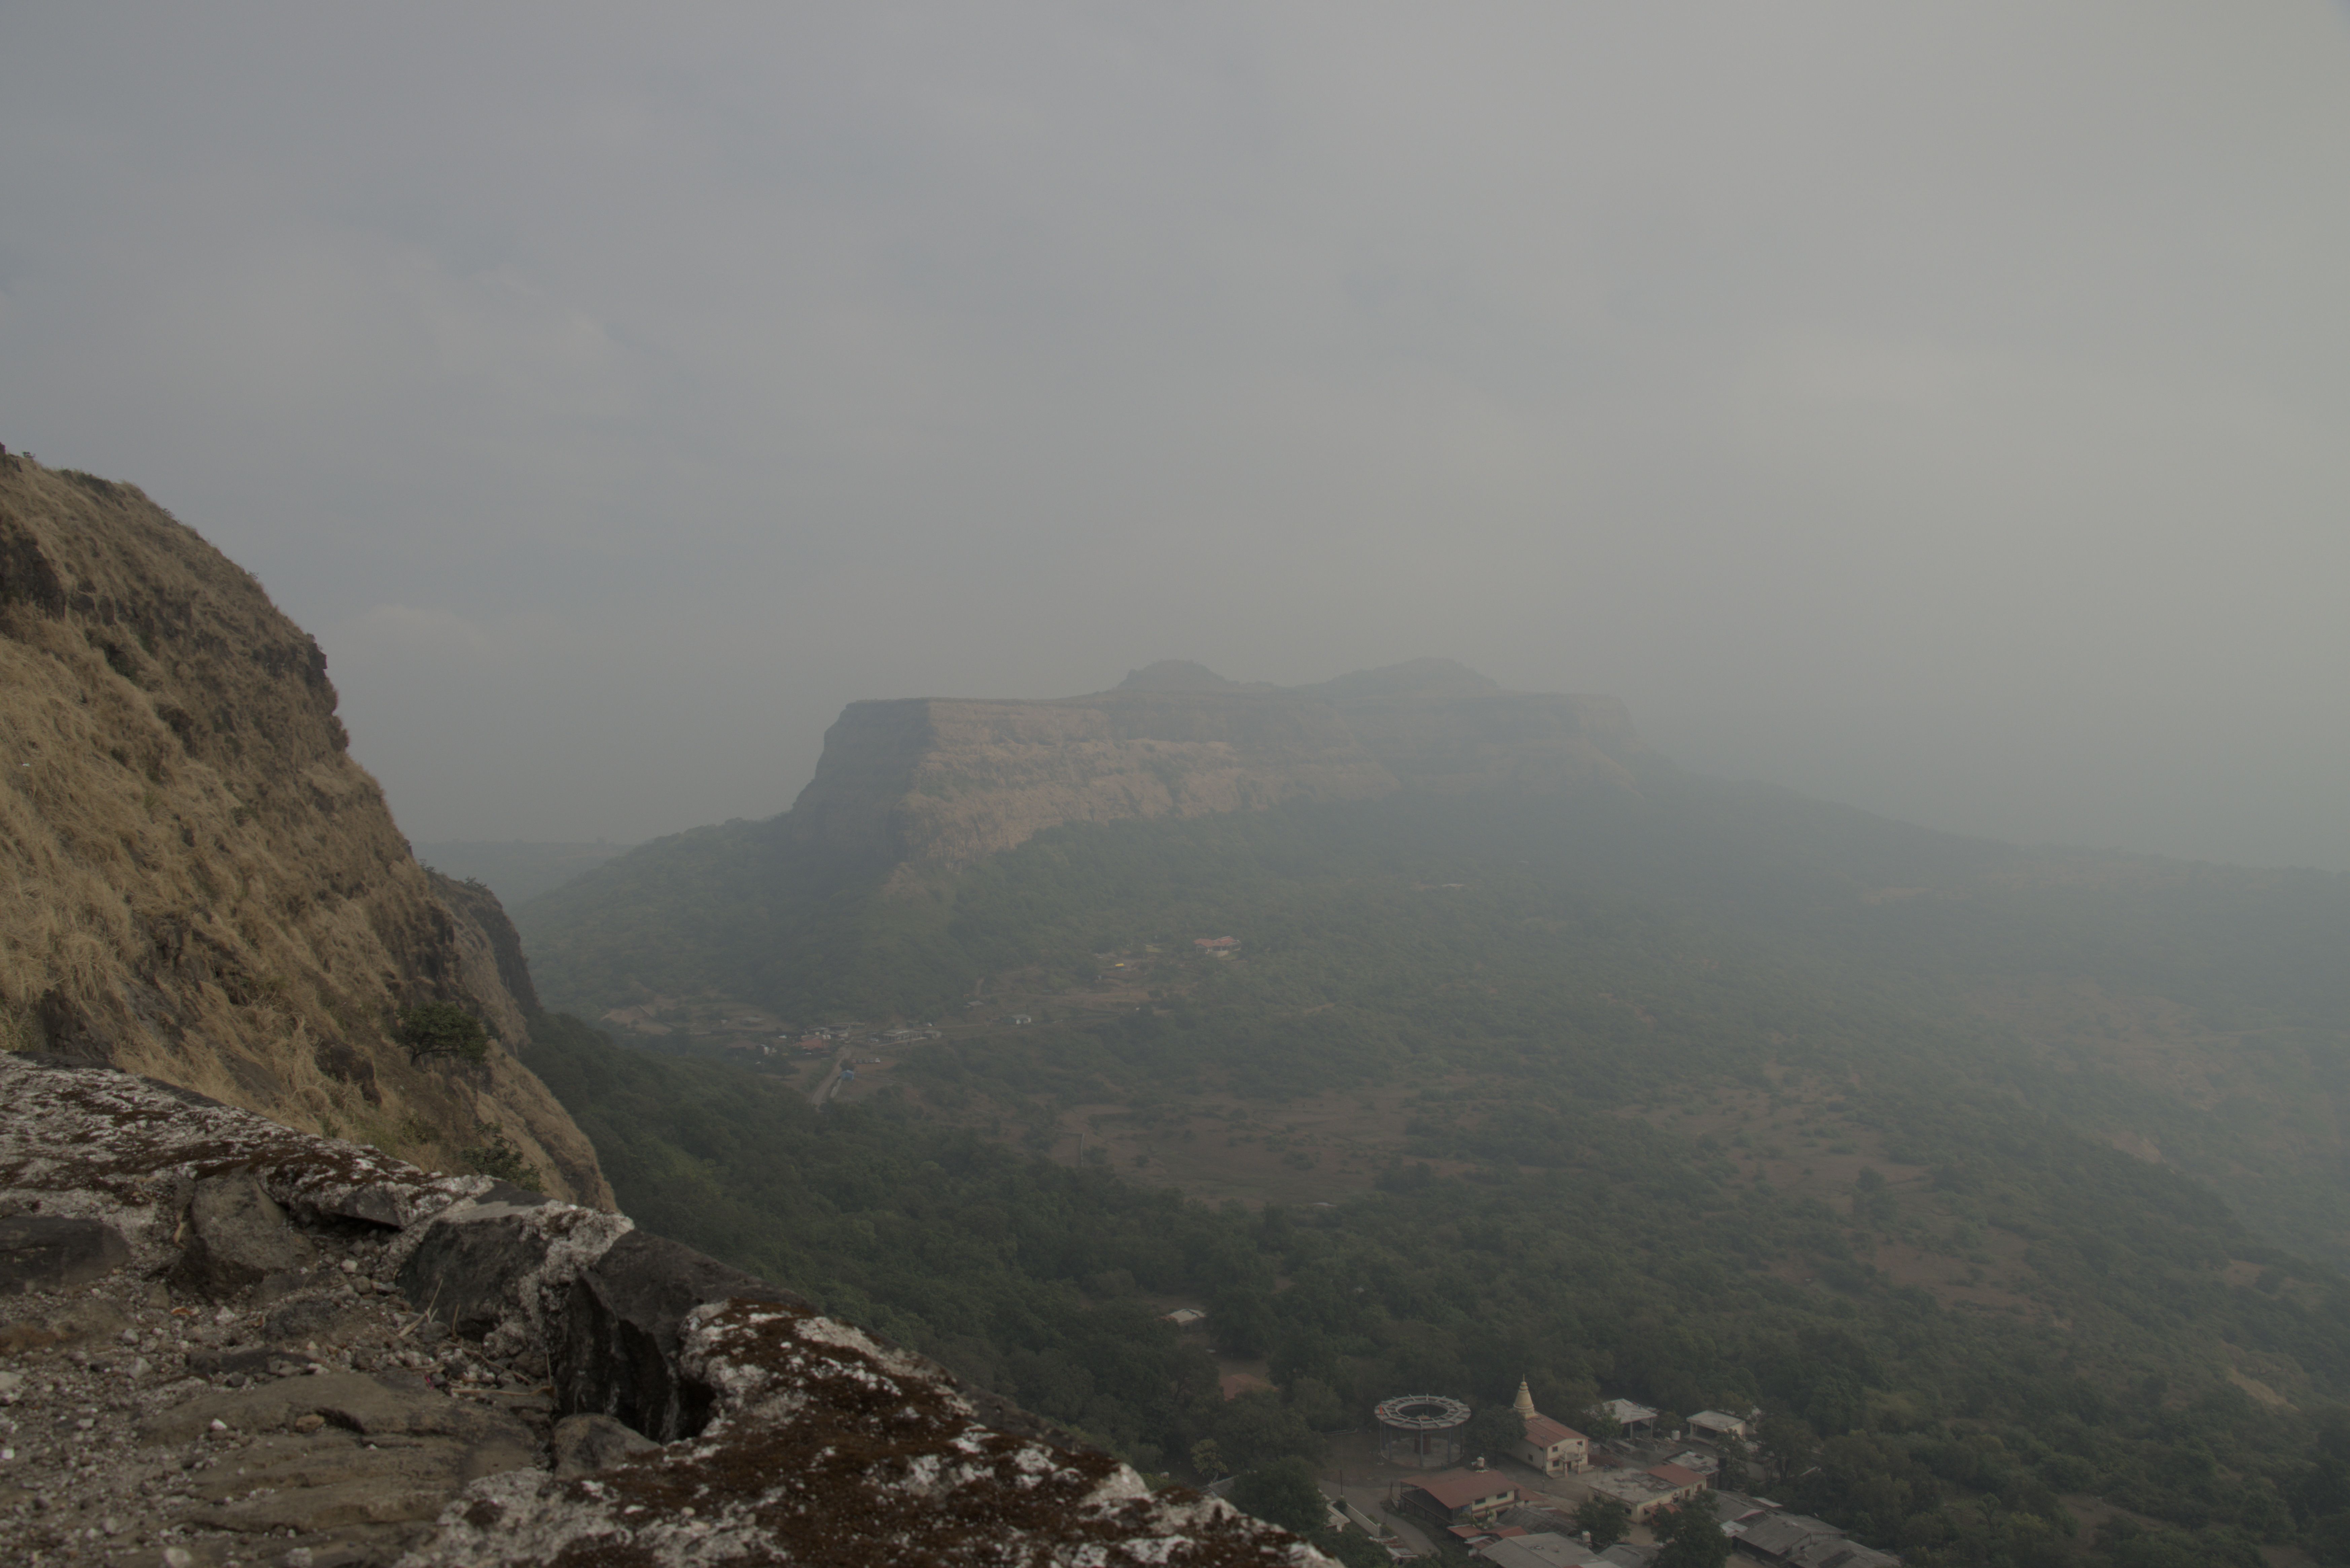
{"x":200,"y":885}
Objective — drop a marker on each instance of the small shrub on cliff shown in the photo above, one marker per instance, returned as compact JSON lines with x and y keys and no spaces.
{"x":500,"y":1157}
{"x":443,"y":1029}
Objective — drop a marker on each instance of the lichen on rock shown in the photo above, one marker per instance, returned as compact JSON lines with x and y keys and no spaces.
{"x":711,"y":1417}
{"x":828,"y":1447}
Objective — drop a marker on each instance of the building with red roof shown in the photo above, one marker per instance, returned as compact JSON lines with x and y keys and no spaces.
{"x":1646,"y":1492}
{"x":1555,"y":1448}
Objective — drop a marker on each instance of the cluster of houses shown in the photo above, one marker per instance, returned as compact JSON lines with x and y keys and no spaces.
{"x":1501,"y":1524}
{"x":1759,"y":1531}
{"x":1648,"y":1491}
{"x":1770,"y":1535}
{"x":816,"y":1042}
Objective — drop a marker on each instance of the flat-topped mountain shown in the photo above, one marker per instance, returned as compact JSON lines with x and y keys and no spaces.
{"x":203,"y":887}
{"x":944,"y":783}
{"x":912,"y":794}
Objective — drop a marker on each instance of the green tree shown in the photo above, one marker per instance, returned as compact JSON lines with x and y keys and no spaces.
{"x":1605,"y":1519}
{"x":443,"y":1029}
{"x":1318,"y":1405}
{"x":1787,"y":1443}
{"x":1256,"y":1429}
{"x":1492,"y":1432}
{"x":1241,"y":1323}
{"x":1284,"y":1492}
{"x":1353,"y":1551}
{"x":1691,"y":1535}
{"x":1208,"y":1460}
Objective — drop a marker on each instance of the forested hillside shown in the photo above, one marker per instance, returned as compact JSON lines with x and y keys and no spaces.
{"x":1676,"y":943}
{"x":2009,"y":1181}
{"x":1624,"y":1260}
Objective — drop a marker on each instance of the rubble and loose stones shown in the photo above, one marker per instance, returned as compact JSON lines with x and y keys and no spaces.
{"x":588,"y":1443}
{"x":351,"y":1431}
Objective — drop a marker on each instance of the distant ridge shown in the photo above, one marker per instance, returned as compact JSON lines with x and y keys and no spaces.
{"x":1425,"y":678}
{"x":1183,"y":675}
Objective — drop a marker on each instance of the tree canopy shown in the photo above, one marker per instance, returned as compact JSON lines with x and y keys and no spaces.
{"x":443,"y":1029}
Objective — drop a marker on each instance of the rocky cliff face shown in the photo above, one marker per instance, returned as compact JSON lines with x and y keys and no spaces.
{"x":202,"y":886}
{"x":937,"y":783}
{"x":940,"y":783}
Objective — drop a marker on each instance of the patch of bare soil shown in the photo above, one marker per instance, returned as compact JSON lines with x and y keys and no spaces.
{"x":1797,"y":1136}
{"x":2260,"y":1390}
{"x":2159,"y":1045}
{"x":2158,"y":1042}
{"x":2090,"y":1512}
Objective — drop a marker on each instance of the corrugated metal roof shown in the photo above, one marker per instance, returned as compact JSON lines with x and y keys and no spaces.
{"x":1542,"y":1432}
{"x":1460,"y":1489}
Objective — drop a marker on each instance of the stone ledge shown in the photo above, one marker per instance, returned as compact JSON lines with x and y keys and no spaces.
{"x":781,"y":1435}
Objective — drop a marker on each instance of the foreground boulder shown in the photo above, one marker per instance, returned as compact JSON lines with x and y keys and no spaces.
{"x":372,"y":1365}
{"x":235,"y":1237}
{"x":44,"y":1252}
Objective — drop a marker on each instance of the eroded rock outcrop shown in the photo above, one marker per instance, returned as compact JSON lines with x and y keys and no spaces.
{"x":605,"y":1397}
{"x":203,"y":887}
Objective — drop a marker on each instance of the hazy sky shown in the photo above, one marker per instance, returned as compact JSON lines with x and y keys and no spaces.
{"x":1941,"y":408}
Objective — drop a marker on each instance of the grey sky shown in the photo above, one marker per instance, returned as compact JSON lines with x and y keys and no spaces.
{"x":1941,"y":408}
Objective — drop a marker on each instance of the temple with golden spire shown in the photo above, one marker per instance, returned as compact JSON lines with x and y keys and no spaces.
{"x":1551,"y":1446}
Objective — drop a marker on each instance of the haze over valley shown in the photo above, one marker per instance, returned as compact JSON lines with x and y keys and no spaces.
{"x":1932,"y":410}
{"x":1542,"y":785}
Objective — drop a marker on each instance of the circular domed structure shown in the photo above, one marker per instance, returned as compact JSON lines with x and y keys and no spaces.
{"x":1420,"y":1429}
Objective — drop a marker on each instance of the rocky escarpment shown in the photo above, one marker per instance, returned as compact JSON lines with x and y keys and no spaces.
{"x":930,"y":782}
{"x":937,"y":783}
{"x":910,"y":792}
{"x":202,"y":886}
{"x":231,"y":1334}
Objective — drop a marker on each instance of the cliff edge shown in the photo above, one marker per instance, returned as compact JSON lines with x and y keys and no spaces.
{"x":203,"y":887}
{"x":234,"y":1342}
